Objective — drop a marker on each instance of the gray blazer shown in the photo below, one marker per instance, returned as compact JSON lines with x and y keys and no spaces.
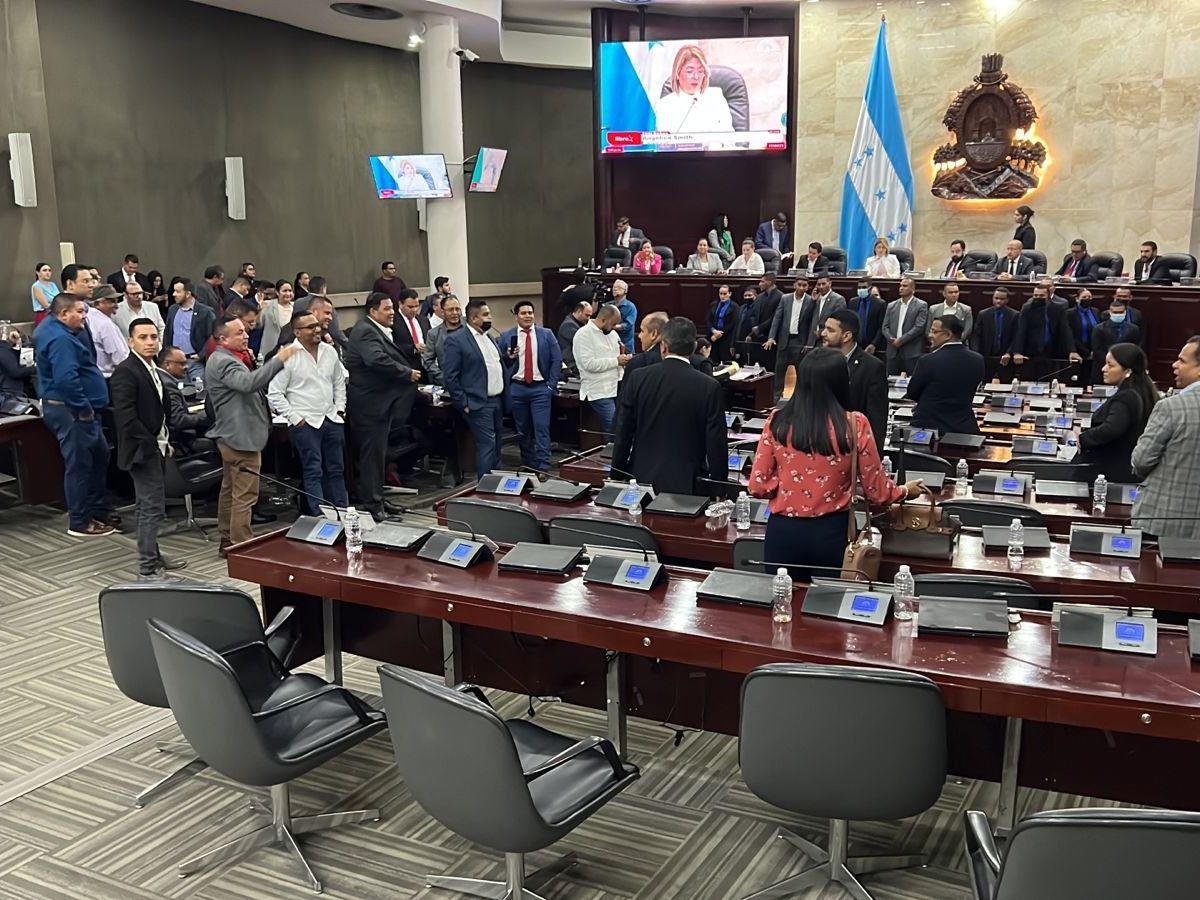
{"x":912,"y":342}
{"x":713,"y":266}
{"x":714,"y":246}
{"x":968,"y":318}
{"x":1165,"y":458}
{"x":780,"y":331}
{"x":241,"y":417}
{"x":270,"y":327}
{"x":435,"y":348}
{"x":204,"y":292}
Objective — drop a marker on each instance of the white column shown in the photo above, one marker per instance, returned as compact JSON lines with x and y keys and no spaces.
{"x":442,"y":132}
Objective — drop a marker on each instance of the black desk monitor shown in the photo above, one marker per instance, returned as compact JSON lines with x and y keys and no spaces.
{"x":960,"y":616}
{"x":732,"y":586}
{"x":558,"y":489}
{"x":546,"y":559}
{"x":677,"y":504}
{"x":1180,"y":550}
{"x":959,"y":439}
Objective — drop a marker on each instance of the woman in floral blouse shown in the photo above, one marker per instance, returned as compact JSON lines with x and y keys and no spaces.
{"x":803,"y":466}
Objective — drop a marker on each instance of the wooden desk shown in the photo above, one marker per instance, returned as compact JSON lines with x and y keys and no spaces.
{"x":36,"y":461}
{"x":1096,"y":723}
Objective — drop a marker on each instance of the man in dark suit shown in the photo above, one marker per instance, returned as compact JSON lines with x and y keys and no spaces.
{"x":14,"y":377}
{"x":945,"y":380}
{"x":1042,"y":334}
{"x":1082,"y":319}
{"x":474,"y":372}
{"x":380,"y":395}
{"x":774,"y":235}
{"x":671,"y":425}
{"x":869,"y":307}
{"x":1115,"y":328}
{"x":627,"y":237}
{"x":1077,"y":265}
{"x":185,"y":427}
{"x":1012,"y":264}
{"x":128,"y":272}
{"x":210,"y":291}
{"x":649,"y":335}
{"x":1149,"y":267}
{"x":789,"y":330}
{"x":959,"y":265}
{"x":410,"y":328}
{"x":868,"y":375}
{"x":825,"y":301}
{"x":812,"y":263}
{"x":995,"y":330}
{"x":534,"y":364}
{"x":763,"y":310}
{"x":140,"y":425}
{"x":1132,"y":314}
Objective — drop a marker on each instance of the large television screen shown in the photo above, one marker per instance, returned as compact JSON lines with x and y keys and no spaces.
{"x":488,"y":165}
{"x":723,"y":94}
{"x":411,"y":177}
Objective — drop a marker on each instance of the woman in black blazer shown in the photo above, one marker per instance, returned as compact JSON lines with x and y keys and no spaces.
{"x":1116,"y":426}
{"x":1024,"y":233}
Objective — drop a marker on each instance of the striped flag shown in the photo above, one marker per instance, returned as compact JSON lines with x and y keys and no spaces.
{"x":877,"y":193}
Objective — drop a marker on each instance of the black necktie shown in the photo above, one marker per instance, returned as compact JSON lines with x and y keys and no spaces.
{"x":1012,"y":267}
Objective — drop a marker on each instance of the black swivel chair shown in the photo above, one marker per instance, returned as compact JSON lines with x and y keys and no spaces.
{"x":504,"y":523}
{"x":279,"y":743}
{"x":836,"y":258}
{"x":907,"y":260}
{"x":1038,"y":258}
{"x":919,"y":461}
{"x":668,"y":257}
{"x":977,"y":587}
{"x":976,"y":512}
{"x":1107,"y":264}
{"x":508,"y":785}
{"x":1087,"y":854}
{"x":617,"y":256}
{"x":770,"y":258}
{"x":985,"y":260}
{"x":224,"y":618}
{"x":188,"y":479}
{"x":1052,"y":469}
{"x":1180,"y":265}
{"x":575,"y":531}
{"x":733,"y":86}
{"x":811,"y":738}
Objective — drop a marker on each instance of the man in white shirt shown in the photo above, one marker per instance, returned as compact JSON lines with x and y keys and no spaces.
{"x":133,"y":307}
{"x":597,"y":351}
{"x":111,"y":345}
{"x":310,"y":392}
{"x":904,"y":324}
{"x":950,"y":306}
{"x":473,"y":370}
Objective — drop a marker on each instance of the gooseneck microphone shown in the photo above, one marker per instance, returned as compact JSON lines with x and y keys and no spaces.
{"x":320,"y":501}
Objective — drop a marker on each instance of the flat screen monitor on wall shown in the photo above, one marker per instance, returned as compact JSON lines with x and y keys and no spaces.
{"x":488,"y":165}
{"x":709,"y":95}
{"x":411,"y":177}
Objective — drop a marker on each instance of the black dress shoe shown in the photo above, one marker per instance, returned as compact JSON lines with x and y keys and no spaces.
{"x":261,"y":518}
{"x":391,"y":509}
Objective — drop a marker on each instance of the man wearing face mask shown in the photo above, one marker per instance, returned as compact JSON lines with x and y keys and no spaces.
{"x":474,"y":370}
{"x":1042,"y":335}
{"x":1082,"y":319}
{"x":1114,"y":328}
{"x":1132,"y":315}
{"x":869,"y":307}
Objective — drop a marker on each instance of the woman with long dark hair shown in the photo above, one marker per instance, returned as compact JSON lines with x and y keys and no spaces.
{"x":158,"y":293}
{"x":1116,"y":426}
{"x":1024,"y":233}
{"x":803,"y":466}
{"x":300,"y":284}
{"x":720,"y":239}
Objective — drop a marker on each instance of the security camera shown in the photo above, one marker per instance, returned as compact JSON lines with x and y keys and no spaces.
{"x":465,"y":54}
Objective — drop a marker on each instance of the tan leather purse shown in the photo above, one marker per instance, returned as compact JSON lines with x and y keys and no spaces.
{"x":860,"y":561}
{"x":917,"y":529}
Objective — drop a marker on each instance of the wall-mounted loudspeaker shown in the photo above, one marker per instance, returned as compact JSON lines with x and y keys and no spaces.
{"x":235,"y":188}
{"x":20,"y":164}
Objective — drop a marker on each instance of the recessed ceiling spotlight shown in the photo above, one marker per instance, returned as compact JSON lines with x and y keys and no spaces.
{"x":634,"y":2}
{"x":366,"y":11}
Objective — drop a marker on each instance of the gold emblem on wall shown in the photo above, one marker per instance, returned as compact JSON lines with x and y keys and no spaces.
{"x":995,"y":154}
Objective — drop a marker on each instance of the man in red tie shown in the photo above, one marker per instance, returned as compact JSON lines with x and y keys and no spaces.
{"x":410,"y":328}
{"x":533,"y":367}
{"x":1077,"y":265}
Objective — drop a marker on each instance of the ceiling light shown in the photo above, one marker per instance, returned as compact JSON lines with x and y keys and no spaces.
{"x":366,"y":11}
{"x":634,"y":2}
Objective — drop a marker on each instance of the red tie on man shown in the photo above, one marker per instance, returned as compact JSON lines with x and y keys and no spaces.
{"x":1071,"y":269}
{"x":412,"y":328}
{"x":528,"y":356}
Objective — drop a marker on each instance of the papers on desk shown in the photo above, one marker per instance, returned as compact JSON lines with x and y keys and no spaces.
{"x":746,"y":373}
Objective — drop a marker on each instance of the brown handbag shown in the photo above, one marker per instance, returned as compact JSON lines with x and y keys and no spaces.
{"x":917,"y":529}
{"x":860,"y":561}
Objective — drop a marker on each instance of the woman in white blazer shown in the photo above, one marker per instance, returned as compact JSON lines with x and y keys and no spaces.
{"x":883,"y":264}
{"x":692,"y":105}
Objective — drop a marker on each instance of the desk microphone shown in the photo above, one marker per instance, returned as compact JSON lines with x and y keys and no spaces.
{"x":548,"y":476}
{"x":320,"y":501}
{"x":1074,"y":377}
{"x":838,"y":570}
{"x":628,"y":475}
{"x":695,"y":101}
{"x":607,"y":537}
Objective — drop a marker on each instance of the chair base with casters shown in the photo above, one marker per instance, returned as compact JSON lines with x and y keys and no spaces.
{"x":833,"y":866}
{"x":518,"y":885}
{"x":279,"y":830}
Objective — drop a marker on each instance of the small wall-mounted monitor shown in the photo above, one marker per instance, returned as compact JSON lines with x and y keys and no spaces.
{"x":488,"y":165}
{"x":411,"y":177}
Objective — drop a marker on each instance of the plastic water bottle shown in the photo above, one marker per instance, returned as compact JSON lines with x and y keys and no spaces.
{"x":904,"y":588}
{"x":962,"y":478}
{"x":743,"y":512}
{"x":1069,"y":405}
{"x":636,"y":509}
{"x":1054,"y":388}
{"x":353,"y":527}
{"x":1016,"y":542}
{"x":1099,"y":495}
{"x":887,"y":466}
{"x":1016,"y":384}
{"x":198,"y":383}
{"x":781,"y":596}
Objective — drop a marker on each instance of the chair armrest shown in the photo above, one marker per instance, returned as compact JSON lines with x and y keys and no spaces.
{"x":579,"y":747}
{"x":475,"y":692}
{"x":283,"y":635}
{"x":356,"y":706}
{"x":981,"y":844}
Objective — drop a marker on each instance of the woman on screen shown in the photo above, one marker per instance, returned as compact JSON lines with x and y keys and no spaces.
{"x":410,"y":181}
{"x":884,"y":263}
{"x":647,"y":261}
{"x":691,"y":105}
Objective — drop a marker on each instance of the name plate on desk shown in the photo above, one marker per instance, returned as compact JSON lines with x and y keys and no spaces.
{"x":1008,"y":483}
{"x":638,"y":574}
{"x":507,"y":483}
{"x":839,"y":602}
{"x":1106,"y":541}
{"x":1104,"y":629}
{"x":1032,"y":446}
{"x":1123,"y":494}
{"x":623,"y":496}
{"x":454,"y":550}
{"x":315,"y":530}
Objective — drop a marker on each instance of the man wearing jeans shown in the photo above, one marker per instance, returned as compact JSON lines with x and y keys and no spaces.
{"x":474,"y":375}
{"x":534,"y":367}
{"x":73,"y":393}
{"x":241,"y":425}
{"x":139,"y":410}
{"x":310,"y":393}
{"x":600,"y":359}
